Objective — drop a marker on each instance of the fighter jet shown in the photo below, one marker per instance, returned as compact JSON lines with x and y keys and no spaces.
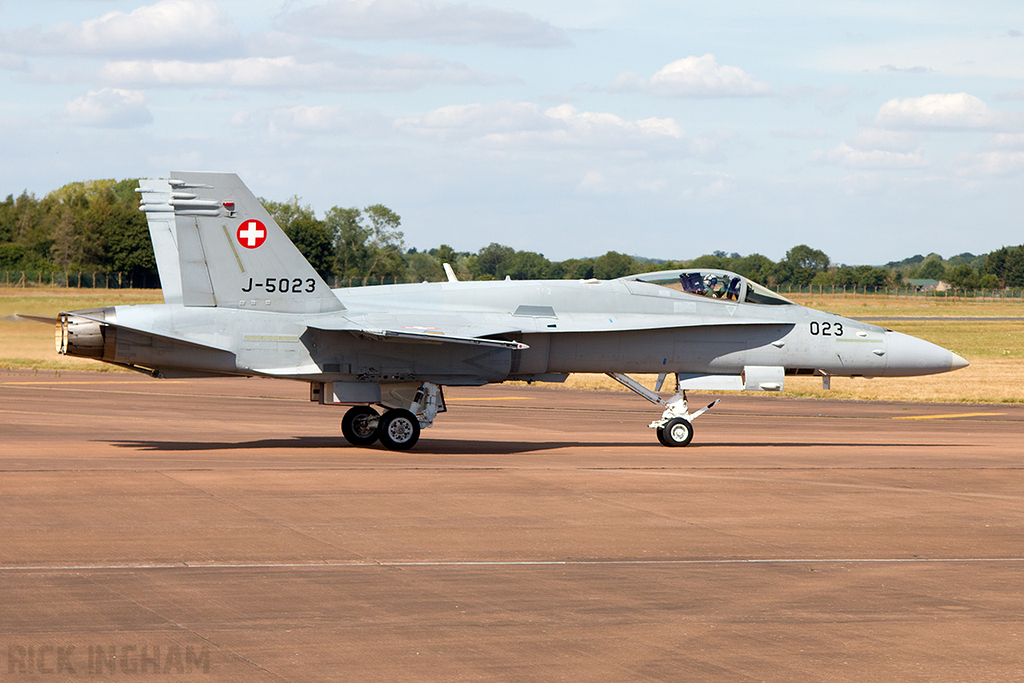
{"x":241,"y":300}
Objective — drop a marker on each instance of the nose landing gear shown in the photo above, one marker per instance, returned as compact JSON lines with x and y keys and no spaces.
{"x":674,"y":427}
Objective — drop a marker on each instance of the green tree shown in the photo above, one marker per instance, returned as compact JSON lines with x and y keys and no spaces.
{"x":423,"y":266}
{"x":313,"y":239}
{"x":445,"y":254}
{"x":311,"y":236}
{"x":385,"y":243}
{"x":524,"y":265}
{"x":613,"y":265}
{"x":11,"y":256}
{"x":710,"y":261}
{"x":963,"y":276}
{"x":1007,"y":264}
{"x":756,"y":267}
{"x":350,"y":235}
{"x":126,"y":241}
{"x":572,"y":269}
{"x":490,"y":261}
{"x":932,"y":269}
{"x":284,"y":213}
{"x":803,"y":264}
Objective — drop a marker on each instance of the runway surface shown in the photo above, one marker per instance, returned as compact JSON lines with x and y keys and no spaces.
{"x":223,"y":530}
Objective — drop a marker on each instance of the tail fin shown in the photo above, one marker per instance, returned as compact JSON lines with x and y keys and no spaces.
{"x":230,"y":253}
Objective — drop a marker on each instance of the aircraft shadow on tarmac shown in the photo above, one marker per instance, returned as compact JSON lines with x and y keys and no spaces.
{"x":458,"y":447}
{"x":426,"y":446}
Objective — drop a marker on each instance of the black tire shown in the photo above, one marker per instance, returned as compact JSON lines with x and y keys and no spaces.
{"x":398,"y":430}
{"x":676,"y":432}
{"x":359,"y":426}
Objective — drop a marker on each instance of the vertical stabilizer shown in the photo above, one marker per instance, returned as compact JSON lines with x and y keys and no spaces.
{"x":230,"y":253}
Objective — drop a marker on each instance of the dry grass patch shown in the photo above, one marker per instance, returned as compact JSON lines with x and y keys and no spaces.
{"x":28,"y":344}
{"x":871,"y":305}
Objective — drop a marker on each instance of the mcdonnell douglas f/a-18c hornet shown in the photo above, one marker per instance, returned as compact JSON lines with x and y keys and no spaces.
{"x":240,"y":299}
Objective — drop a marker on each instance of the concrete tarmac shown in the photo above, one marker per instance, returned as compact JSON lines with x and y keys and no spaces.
{"x":223,"y":530}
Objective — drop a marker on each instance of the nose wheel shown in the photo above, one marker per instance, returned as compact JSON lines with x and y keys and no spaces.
{"x":676,"y":432}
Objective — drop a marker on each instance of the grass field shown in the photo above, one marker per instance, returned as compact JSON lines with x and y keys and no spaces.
{"x":995,"y":349}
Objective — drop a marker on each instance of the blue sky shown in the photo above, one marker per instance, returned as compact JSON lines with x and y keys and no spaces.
{"x":870,"y":130}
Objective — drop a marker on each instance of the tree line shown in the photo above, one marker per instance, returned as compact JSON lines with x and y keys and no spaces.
{"x":96,"y":226}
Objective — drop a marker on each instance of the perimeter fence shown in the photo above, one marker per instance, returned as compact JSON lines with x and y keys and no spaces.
{"x":101,"y":280}
{"x":951,"y":293}
{"x":136,"y":280}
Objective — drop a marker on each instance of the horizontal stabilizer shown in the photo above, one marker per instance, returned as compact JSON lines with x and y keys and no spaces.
{"x":149,"y":333}
{"x":37,"y":318}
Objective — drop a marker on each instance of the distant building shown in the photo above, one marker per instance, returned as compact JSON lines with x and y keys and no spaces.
{"x":929,"y":285}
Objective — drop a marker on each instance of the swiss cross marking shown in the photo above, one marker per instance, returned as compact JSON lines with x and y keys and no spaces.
{"x":252,"y":234}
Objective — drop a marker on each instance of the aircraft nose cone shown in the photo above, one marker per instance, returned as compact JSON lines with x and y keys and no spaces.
{"x":906,"y":356}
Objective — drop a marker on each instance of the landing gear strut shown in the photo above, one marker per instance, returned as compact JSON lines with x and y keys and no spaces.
{"x":674,"y":427}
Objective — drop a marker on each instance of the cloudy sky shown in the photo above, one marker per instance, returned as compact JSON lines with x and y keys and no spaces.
{"x":870,"y":130}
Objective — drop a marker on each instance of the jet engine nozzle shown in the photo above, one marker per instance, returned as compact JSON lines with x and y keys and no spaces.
{"x":85,"y":337}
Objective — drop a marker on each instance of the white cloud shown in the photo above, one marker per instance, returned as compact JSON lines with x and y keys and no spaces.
{"x":452,"y":24}
{"x":329,"y":120}
{"x":619,"y":183}
{"x":525,"y":124}
{"x":1014,"y":95}
{"x":109,"y":108}
{"x":347,"y":71}
{"x":994,"y":164}
{"x":886,"y":140}
{"x":167,"y":27}
{"x":802,"y":134}
{"x":694,"y":77}
{"x":1013,"y":141}
{"x":12,"y":62}
{"x":951,"y":112}
{"x":850,"y":157}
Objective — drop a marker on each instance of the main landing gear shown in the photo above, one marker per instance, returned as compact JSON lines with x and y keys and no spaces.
{"x":398,"y":428}
{"x":674,"y":427}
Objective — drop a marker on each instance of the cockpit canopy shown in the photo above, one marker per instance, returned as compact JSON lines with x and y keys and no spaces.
{"x":714,"y":284}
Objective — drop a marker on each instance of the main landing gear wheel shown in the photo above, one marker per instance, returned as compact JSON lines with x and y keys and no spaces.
{"x":676,"y":432}
{"x":398,"y":430}
{"x":359,"y":426}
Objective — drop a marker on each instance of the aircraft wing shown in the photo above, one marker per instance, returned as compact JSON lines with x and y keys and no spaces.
{"x":420,"y":326}
{"x":418,"y":333}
